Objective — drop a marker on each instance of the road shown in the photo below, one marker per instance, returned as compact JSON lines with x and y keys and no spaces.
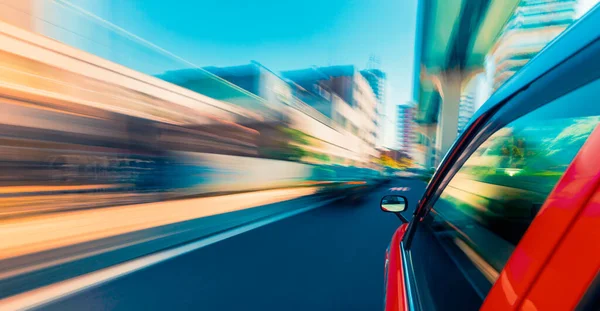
{"x":328,"y":258}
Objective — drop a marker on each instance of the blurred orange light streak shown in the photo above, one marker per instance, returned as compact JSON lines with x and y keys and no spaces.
{"x":44,"y":232}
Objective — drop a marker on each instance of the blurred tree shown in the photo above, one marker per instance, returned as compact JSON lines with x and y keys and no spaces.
{"x":406,"y":162}
{"x":296,"y":136}
{"x":285,"y":144}
{"x":401,"y":163}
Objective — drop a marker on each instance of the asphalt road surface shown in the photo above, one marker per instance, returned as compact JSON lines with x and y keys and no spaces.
{"x":328,"y":258}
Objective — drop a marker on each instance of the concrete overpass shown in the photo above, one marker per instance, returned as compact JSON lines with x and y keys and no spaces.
{"x":452,"y":41}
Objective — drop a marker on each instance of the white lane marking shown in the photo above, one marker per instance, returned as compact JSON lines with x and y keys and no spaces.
{"x":49,"y":231}
{"x":56,"y":262}
{"x":46,"y":294}
{"x":400,"y":189}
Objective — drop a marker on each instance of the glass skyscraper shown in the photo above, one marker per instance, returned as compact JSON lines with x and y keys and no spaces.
{"x":376,"y":79}
{"x":466,"y":109}
{"x":405,"y":128}
{"x":533,"y":25}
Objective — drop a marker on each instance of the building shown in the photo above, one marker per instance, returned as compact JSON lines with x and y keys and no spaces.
{"x":377,"y":80}
{"x":344,"y":95}
{"x":466,"y":109}
{"x":276,"y":94}
{"x":221,"y":83}
{"x":532,"y":26}
{"x":328,"y":109}
{"x":405,"y":128}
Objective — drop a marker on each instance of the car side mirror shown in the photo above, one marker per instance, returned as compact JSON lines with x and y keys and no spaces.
{"x":394,"y":204}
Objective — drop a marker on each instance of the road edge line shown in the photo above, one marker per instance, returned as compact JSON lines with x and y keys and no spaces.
{"x":46,"y":294}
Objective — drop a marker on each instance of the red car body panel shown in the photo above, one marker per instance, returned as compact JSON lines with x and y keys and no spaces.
{"x":395,"y":292}
{"x":573,"y":266}
{"x":548,"y":232}
{"x":558,"y":257}
{"x":559,"y":248}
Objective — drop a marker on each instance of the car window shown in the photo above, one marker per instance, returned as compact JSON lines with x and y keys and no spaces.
{"x":490,"y":202}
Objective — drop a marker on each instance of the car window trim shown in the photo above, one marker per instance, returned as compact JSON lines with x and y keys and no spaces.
{"x":412,"y":295}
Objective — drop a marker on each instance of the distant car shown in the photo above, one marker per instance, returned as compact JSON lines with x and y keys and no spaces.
{"x":511,"y":219}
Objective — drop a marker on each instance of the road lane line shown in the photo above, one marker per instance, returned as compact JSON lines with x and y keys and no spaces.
{"x":38,"y":297}
{"x":64,"y":260}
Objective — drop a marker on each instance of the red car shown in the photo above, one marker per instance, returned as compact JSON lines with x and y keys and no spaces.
{"x":511,"y":218}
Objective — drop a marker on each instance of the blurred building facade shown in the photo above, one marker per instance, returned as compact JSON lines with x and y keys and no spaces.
{"x":532,"y":26}
{"x":19,"y":13}
{"x":260,"y":81}
{"x":377,"y":81}
{"x":344,"y":95}
{"x":92,"y":121}
{"x":251,"y":95}
{"x":405,"y":128}
{"x":342,"y":117}
{"x":325,"y":109}
{"x":466,"y":109}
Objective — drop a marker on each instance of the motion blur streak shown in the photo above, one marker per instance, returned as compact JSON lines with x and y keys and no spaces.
{"x":102,"y":164}
{"x":39,"y":233}
{"x":49,"y":293}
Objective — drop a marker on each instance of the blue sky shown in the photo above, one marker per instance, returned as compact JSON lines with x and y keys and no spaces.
{"x":280,"y":34}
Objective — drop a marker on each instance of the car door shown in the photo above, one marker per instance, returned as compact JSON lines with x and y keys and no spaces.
{"x":468,"y":228}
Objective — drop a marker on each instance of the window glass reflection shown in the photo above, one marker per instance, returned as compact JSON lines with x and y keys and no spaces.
{"x":489,"y":204}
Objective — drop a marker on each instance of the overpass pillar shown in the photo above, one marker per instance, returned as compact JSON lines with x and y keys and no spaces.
{"x":449,"y":85}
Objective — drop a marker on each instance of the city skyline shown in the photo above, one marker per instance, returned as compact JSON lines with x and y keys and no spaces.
{"x":348,"y":34}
